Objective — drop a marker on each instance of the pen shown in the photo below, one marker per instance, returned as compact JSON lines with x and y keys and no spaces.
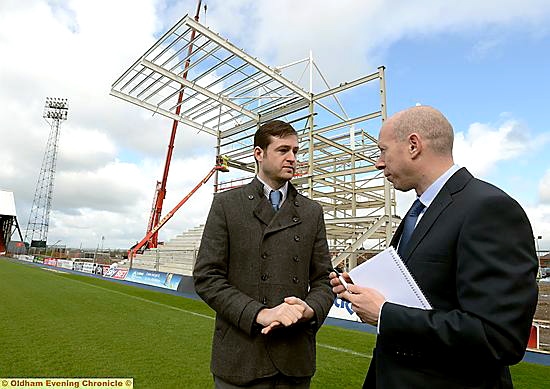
{"x":341,"y":278}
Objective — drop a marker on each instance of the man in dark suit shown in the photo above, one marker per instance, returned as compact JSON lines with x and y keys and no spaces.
{"x":263,"y":266}
{"x":471,"y":250}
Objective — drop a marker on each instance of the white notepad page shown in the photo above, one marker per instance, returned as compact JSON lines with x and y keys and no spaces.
{"x":387,"y":273}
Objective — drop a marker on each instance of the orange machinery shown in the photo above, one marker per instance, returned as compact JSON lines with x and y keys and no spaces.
{"x":221,"y":165}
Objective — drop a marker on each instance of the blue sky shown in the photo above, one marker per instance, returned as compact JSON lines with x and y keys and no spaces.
{"x":507,"y":80}
{"x":483,"y":64}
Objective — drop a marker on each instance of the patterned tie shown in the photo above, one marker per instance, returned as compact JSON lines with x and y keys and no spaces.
{"x":408,"y":228}
{"x":275,"y":199}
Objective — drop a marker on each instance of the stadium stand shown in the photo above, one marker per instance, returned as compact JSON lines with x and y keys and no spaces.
{"x":175,"y":256}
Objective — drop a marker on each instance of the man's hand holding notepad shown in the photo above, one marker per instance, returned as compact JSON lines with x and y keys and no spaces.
{"x":387,"y":273}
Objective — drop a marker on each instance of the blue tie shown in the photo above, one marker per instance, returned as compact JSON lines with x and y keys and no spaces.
{"x":408,"y":227}
{"x":275,"y":199}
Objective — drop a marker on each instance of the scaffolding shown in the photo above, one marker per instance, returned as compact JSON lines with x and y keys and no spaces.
{"x":228,"y":93}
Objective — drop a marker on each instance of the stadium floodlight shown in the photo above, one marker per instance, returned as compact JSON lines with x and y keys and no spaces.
{"x":55,"y":111}
{"x":56,"y":108}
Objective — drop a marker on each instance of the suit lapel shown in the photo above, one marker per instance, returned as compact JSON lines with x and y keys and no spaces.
{"x":441,"y":201}
{"x":261,"y":207}
{"x":288,"y":215}
{"x":397,"y":235}
{"x":455,"y":184}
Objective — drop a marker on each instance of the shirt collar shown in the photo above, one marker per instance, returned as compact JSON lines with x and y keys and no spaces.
{"x":267,"y":189}
{"x":429,"y":195}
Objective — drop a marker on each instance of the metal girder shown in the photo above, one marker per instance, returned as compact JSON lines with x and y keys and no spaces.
{"x":346,"y":85}
{"x":340,"y":156}
{"x":288,"y":108}
{"x":349,"y":122}
{"x":332,"y":143}
{"x":229,"y":93}
{"x":163,"y":112}
{"x":200,"y":89}
{"x":344,"y":148}
{"x":352,"y":220}
{"x":230,"y":47}
{"x":359,"y":242}
{"x":358,"y":170}
{"x":346,"y":206}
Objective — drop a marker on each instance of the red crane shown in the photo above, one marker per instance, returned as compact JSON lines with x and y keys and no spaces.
{"x":221,"y":165}
{"x":160,"y":190}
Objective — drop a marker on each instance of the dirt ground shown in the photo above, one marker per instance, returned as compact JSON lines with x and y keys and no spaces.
{"x":543,"y":314}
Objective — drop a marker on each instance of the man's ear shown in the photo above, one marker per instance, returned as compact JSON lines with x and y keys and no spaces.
{"x":415,"y":145}
{"x":258,"y":154}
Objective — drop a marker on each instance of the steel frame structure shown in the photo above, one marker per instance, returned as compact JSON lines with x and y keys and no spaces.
{"x":228,"y":94}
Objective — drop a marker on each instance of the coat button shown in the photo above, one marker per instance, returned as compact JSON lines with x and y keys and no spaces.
{"x":296,"y":203}
{"x":264,"y":277}
{"x":251,"y":197}
{"x":295,"y":219}
{"x":296,"y":259}
{"x":295,"y":280}
{"x":264,"y":300}
{"x":264,"y":255}
{"x":297,"y":238}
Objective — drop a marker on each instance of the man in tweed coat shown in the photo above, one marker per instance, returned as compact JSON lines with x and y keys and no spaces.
{"x":263,"y":266}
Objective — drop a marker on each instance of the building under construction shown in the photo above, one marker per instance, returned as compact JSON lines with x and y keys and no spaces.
{"x":202,"y":81}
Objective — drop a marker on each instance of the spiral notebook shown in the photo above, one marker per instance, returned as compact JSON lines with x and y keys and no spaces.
{"x":387,"y":273}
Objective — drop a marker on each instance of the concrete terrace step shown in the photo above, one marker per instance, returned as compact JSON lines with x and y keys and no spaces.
{"x":175,"y":256}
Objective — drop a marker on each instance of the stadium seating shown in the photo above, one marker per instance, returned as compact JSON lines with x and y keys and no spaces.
{"x":175,"y":256}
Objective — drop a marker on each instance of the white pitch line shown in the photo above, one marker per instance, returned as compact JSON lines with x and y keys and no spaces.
{"x":344,"y":350}
{"x":327,"y":346}
{"x":144,"y":299}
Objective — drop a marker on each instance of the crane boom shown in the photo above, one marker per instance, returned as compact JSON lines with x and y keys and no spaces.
{"x":221,"y":165}
{"x":160,"y":190}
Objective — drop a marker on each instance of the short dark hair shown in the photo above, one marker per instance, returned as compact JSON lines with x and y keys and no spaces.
{"x":276,"y":128}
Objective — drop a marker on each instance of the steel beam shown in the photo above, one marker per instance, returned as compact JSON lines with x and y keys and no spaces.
{"x":200,"y":89}
{"x":241,"y":54}
{"x":163,"y":112}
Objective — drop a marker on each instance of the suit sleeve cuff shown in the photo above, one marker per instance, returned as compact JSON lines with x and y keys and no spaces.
{"x":247,"y":322}
{"x":378,"y":325}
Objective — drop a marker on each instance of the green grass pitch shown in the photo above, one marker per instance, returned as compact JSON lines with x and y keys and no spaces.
{"x":54,"y":324}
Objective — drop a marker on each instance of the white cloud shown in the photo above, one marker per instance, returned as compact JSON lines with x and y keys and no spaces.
{"x":540,"y":214}
{"x":540,"y":221}
{"x":115,"y":201}
{"x":544,"y":189}
{"x":111,"y":152}
{"x":483,"y":145}
{"x":357,"y":32}
{"x":76,"y":50}
{"x":85,"y":148}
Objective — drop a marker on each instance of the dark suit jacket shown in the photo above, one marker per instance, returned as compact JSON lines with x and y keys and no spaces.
{"x":252,"y":257}
{"x":473,"y":255}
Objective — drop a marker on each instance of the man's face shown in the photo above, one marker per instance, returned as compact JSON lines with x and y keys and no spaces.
{"x":278,"y":162}
{"x":394,"y":159}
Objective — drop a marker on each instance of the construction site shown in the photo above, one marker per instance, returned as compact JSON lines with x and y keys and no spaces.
{"x":202,"y":82}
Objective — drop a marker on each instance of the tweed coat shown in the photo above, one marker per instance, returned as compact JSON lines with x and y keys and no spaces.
{"x":472,"y":253}
{"x":250,"y":258}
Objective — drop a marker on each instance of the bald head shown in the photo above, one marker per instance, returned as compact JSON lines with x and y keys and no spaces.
{"x":429,"y":123}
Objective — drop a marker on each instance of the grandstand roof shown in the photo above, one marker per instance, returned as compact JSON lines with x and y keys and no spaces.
{"x":7,"y":203}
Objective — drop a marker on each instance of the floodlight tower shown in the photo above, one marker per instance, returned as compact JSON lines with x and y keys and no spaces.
{"x":55,"y":111}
